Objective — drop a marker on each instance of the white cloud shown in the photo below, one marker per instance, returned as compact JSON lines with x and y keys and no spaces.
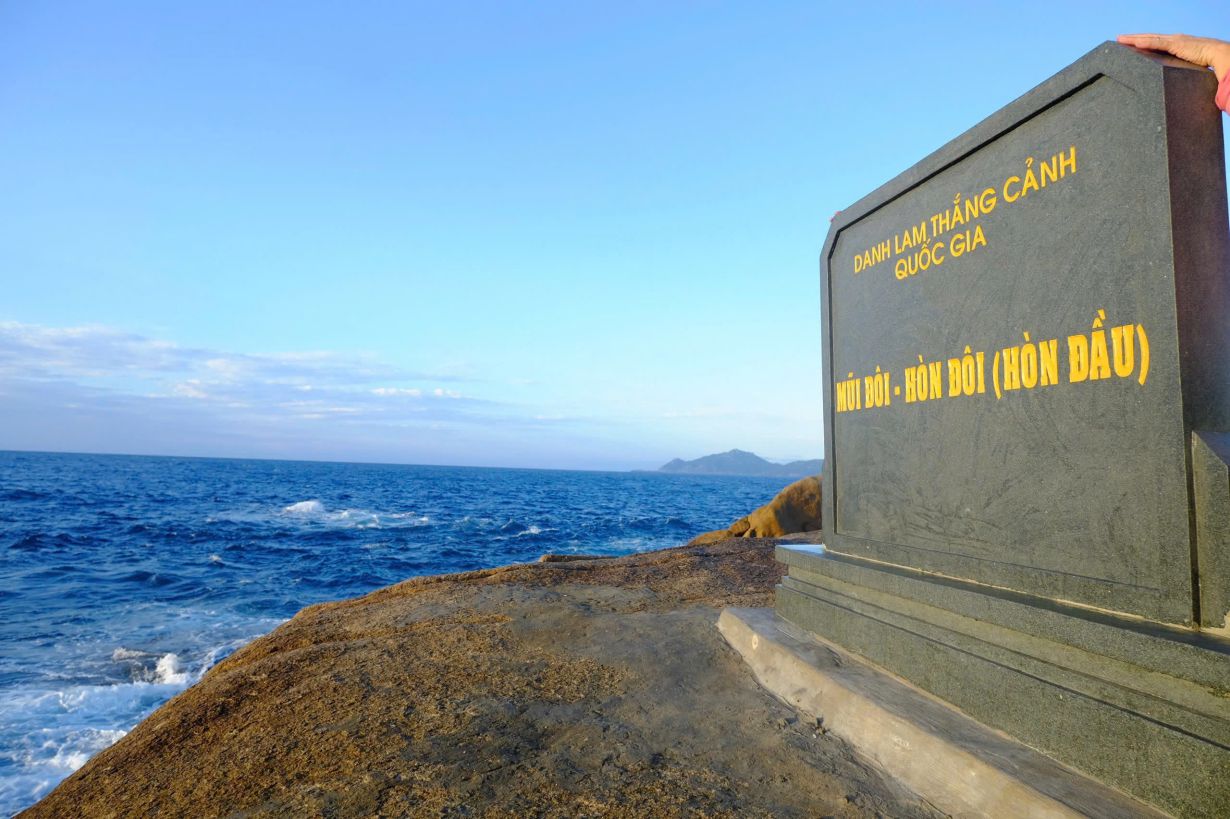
{"x":100,"y":389}
{"x":190,"y":389}
{"x":96,"y":351}
{"x":413,"y":392}
{"x":225,"y":367}
{"x":102,"y":364}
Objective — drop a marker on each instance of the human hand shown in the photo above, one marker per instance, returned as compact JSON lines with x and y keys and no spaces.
{"x":1199,"y":50}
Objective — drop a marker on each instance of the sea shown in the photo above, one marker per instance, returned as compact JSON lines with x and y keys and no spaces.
{"x":123,"y":579}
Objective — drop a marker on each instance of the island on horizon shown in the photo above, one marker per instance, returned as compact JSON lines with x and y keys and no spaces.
{"x":742,"y":463}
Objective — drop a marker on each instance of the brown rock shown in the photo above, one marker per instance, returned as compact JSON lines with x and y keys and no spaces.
{"x":590,"y":687}
{"x":716,"y":536}
{"x":795,"y":509}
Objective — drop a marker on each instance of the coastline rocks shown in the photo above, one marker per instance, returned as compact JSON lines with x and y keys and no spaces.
{"x":795,"y":509}
{"x":566,"y":688}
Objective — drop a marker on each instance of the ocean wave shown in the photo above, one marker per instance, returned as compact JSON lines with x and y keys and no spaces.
{"x":151,"y":578}
{"x":315,"y":511}
{"x":307,"y":507}
{"x":158,"y":669}
{"x":36,"y":541}
{"x":169,"y":671}
{"x":22,"y":495}
{"x":473,"y":523}
{"x":28,"y":543}
{"x":51,"y":732}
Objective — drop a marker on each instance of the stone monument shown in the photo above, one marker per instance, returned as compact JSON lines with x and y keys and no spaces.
{"x":1027,"y":368}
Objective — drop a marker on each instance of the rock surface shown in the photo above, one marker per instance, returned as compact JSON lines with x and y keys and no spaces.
{"x":795,"y":509}
{"x":566,"y":688}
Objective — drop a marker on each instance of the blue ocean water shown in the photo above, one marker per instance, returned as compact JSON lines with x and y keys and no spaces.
{"x":124,"y":578}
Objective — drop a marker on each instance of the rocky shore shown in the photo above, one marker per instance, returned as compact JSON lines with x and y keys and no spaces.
{"x":795,"y":510}
{"x":569,"y":687}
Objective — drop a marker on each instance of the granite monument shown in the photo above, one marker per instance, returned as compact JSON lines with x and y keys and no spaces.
{"x":1027,"y":373}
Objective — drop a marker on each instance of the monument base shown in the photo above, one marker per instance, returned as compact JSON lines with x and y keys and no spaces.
{"x":1139,"y":705}
{"x":953,"y":762}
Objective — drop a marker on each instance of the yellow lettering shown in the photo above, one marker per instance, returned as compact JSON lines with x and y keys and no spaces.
{"x":1048,"y":361}
{"x":1078,"y":358}
{"x":1007,"y":182}
{"x":1031,"y":181}
{"x":1029,"y":364}
{"x":1099,"y":358}
{"x":1049,"y":170}
{"x":1012,"y":368}
{"x":987,"y":201}
{"x":1122,"y":339}
{"x":1067,"y":162}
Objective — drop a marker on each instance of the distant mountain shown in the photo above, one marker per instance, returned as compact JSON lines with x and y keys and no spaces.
{"x":738,"y":462}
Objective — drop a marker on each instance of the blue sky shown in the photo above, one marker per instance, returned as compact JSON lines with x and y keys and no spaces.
{"x":558,"y":235}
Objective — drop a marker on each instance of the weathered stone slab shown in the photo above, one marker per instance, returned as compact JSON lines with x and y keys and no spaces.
{"x":951,"y":760}
{"x":1156,"y":735}
{"x":1211,"y":486}
{"x":1021,"y":333}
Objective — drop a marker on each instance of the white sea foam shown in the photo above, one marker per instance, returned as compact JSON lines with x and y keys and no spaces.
{"x":48,"y":731}
{"x":307,"y":507}
{"x":169,"y":671}
{"x":409,"y":518}
{"x":316,"y":513}
{"x":51,"y":733}
{"x":470,"y":522}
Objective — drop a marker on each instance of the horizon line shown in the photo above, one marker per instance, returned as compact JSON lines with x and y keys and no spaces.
{"x":656,"y":471}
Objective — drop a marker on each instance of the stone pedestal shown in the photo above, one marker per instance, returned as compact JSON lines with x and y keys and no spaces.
{"x":1139,"y":705}
{"x":951,"y":760}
